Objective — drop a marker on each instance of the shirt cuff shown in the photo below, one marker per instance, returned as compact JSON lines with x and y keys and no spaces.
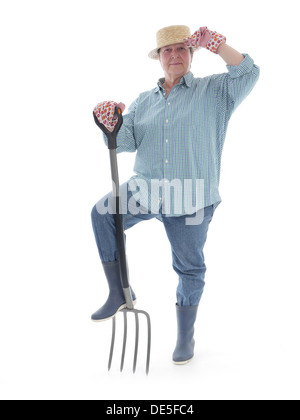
{"x":243,"y":68}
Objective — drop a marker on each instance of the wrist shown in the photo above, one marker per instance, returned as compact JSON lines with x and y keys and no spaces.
{"x":221,"y":47}
{"x":215,"y":41}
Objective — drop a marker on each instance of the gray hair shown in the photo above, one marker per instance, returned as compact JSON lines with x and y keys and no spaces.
{"x":191,"y":51}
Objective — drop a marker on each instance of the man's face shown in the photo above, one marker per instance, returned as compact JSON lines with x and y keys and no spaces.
{"x":175,"y":59}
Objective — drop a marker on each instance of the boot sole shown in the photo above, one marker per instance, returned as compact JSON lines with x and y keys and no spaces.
{"x":184,"y":362}
{"x":110,"y":317}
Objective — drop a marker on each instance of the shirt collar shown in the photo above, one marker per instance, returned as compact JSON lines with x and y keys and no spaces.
{"x":187,"y":80}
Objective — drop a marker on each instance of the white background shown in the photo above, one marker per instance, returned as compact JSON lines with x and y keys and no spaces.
{"x":58,"y":60}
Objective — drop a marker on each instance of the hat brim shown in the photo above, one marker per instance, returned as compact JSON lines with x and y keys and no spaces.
{"x":154,"y":53}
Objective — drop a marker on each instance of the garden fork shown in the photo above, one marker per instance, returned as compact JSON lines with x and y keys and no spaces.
{"x":112,"y":146}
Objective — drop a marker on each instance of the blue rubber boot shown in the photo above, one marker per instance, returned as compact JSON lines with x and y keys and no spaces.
{"x":186,"y":317}
{"x":116,"y":300}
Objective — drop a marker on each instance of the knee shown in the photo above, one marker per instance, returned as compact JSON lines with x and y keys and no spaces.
{"x":99,"y":220}
{"x":94,"y":214}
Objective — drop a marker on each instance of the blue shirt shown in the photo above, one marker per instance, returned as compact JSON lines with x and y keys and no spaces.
{"x":178,"y":139}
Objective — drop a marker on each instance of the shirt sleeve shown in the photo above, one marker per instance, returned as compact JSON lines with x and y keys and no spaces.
{"x":233,"y":87}
{"x":125,"y":138}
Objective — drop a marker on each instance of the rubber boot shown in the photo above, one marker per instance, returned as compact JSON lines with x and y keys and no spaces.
{"x":116,"y":300}
{"x":186,"y":317}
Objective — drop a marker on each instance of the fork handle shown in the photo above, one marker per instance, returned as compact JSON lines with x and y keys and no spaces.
{"x":112,"y":146}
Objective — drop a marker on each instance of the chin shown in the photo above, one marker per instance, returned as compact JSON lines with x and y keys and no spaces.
{"x":179,"y":71}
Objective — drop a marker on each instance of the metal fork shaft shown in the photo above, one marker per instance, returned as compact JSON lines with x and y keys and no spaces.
{"x":136,"y":315}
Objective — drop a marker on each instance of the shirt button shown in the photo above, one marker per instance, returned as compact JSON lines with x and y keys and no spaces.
{"x":167,"y":161}
{"x":167,"y":140}
{"x":169,"y":103}
{"x":167,"y":121}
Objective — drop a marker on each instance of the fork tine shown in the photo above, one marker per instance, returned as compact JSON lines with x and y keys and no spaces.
{"x":136,"y":340}
{"x":112,"y":342}
{"x":124,"y":340}
{"x":149,"y":342}
{"x":149,"y":338}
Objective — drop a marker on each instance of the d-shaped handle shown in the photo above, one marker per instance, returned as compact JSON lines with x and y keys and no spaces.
{"x":111,"y":135}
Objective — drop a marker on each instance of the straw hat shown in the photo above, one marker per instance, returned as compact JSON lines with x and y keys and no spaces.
{"x":170,"y":35}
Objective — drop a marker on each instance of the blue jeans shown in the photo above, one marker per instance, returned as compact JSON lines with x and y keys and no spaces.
{"x":186,"y":240}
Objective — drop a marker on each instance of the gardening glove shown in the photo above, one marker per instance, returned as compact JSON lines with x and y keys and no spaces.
{"x":105,"y":113}
{"x":205,"y":38}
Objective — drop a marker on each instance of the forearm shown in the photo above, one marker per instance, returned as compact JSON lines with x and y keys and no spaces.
{"x":230,"y":55}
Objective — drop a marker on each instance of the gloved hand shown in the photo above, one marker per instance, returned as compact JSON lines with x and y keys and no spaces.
{"x":105,"y":113}
{"x":203,"y":37}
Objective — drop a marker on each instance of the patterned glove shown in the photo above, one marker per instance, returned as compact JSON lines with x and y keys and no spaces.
{"x":205,"y":38}
{"x":105,"y":112}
